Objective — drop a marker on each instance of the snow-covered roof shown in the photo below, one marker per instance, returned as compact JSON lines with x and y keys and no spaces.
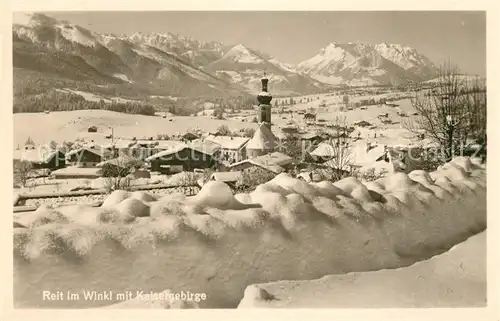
{"x":226,"y":176}
{"x":146,"y":142}
{"x":167,"y":144}
{"x":204,"y":147}
{"x":228,"y":142}
{"x":310,"y":136}
{"x":77,"y":171}
{"x":168,"y":151}
{"x":272,"y":162}
{"x":263,"y":139}
{"x":97,"y":151}
{"x":324,"y":150}
{"x":275,"y":158}
{"x":360,"y":156}
{"x":119,"y":161}
{"x":121,"y":144}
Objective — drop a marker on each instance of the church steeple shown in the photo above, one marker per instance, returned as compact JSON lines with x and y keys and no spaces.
{"x":264,"y":99}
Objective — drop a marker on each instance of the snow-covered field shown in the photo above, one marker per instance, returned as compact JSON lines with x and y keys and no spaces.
{"x":70,"y":125}
{"x":74,"y":124}
{"x":395,"y":133}
{"x":456,"y":279}
{"x":219,"y":243}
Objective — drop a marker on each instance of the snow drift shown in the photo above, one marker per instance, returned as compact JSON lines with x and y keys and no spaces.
{"x":218,"y":244}
{"x":455,"y":279}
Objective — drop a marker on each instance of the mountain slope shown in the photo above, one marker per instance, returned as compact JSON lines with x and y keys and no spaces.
{"x":196,"y":52}
{"x":364,"y":64}
{"x":245,"y":66}
{"x":60,"y":54}
{"x":408,"y":58}
{"x":50,"y":46}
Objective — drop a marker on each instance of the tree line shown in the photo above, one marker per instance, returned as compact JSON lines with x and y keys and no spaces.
{"x":62,"y":101}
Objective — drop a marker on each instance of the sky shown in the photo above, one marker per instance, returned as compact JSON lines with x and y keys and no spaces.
{"x":295,"y":36}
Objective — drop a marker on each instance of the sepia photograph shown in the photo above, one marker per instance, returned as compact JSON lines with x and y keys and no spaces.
{"x":249,"y":159}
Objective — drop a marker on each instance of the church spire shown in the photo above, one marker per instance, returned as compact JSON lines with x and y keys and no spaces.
{"x":264,"y":81}
{"x":264,"y":99}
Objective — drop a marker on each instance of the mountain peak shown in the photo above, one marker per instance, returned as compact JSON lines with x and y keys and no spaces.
{"x":242,"y":54}
{"x":380,"y":63}
{"x":39,"y":19}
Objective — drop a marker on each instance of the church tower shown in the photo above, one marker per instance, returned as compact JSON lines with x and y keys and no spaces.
{"x":263,"y":141}
{"x":264,"y":99}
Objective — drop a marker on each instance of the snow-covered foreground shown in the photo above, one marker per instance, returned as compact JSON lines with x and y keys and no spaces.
{"x":456,"y":278}
{"x":218,"y":243}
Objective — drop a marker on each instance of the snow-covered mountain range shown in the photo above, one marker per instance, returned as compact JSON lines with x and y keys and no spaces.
{"x":179,"y":65}
{"x":366,"y":64}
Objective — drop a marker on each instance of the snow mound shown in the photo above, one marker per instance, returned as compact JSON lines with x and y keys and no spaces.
{"x":143,"y":196}
{"x":218,"y":195}
{"x":43,"y":215}
{"x":116,"y":197}
{"x":284,"y":229}
{"x":15,"y":200}
{"x":456,"y":278}
{"x":132,"y":207}
{"x":254,"y":293}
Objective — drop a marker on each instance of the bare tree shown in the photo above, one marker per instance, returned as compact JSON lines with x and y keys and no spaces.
{"x":223,"y":130}
{"x":22,"y":171}
{"x":189,"y":182}
{"x":446,"y":113}
{"x":53,"y":145}
{"x":476,"y":111}
{"x":370,"y":175}
{"x":248,"y":132}
{"x":251,"y":178}
{"x":116,"y":174}
{"x":339,"y":163}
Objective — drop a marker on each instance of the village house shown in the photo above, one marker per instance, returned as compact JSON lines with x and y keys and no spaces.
{"x":365,"y":156}
{"x":143,"y":149}
{"x":229,"y":178}
{"x":326,"y":150}
{"x":362,"y":123}
{"x":40,"y":158}
{"x":189,"y":137}
{"x":232,"y":149}
{"x":184,"y":157}
{"x":275,"y":163}
{"x":310,"y":118}
{"x":87,"y":157}
{"x":119,"y":147}
{"x":122,"y":162}
{"x":349,"y":158}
